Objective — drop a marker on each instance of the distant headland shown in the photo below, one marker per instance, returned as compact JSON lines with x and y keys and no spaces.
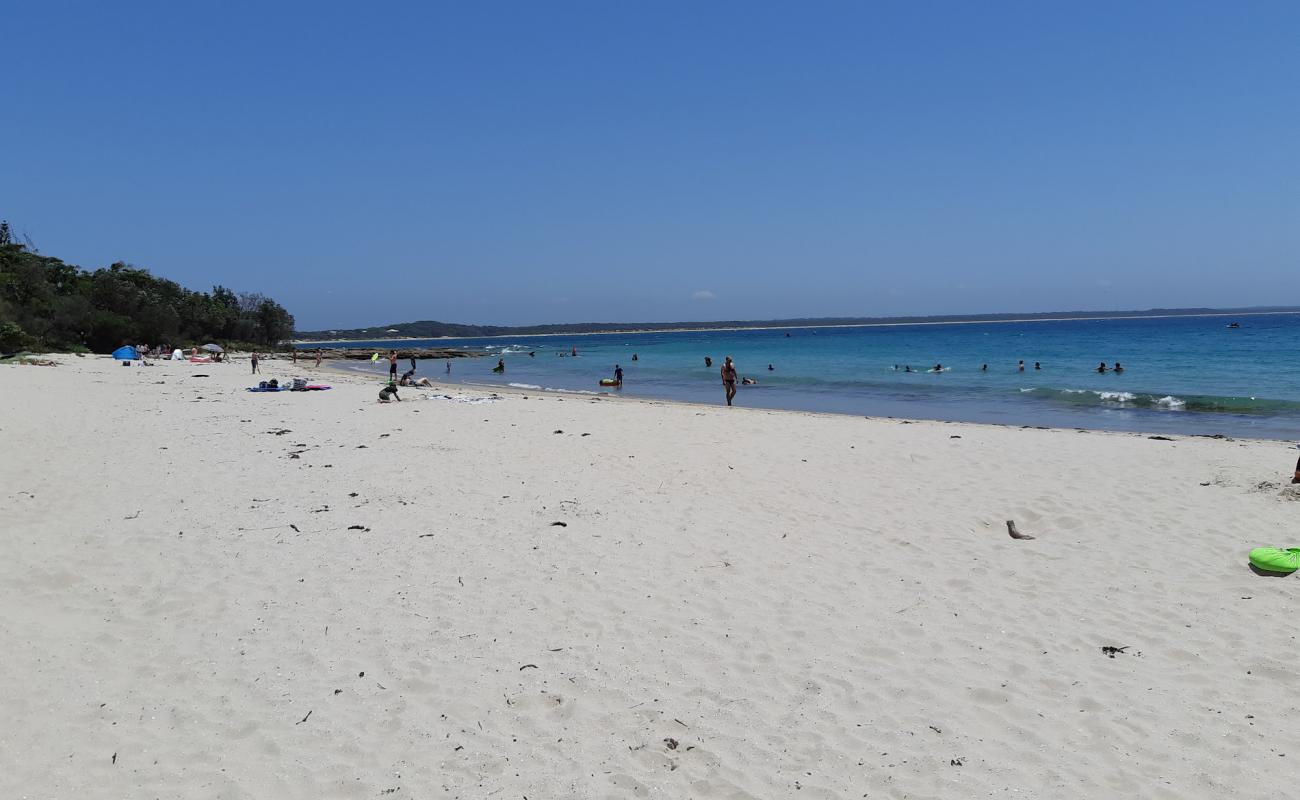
{"x":433,"y":329}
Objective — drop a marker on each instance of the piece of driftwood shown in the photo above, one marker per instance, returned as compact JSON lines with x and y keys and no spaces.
{"x":1015,"y":534}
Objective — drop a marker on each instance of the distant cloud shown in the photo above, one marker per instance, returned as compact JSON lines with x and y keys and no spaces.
{"x":703,"y":294}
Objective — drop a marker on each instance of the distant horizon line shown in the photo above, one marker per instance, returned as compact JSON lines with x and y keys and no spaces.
{"x":351,"y":334}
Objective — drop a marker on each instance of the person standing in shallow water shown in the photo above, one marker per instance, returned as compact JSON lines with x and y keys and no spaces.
{"x":729,"y":379}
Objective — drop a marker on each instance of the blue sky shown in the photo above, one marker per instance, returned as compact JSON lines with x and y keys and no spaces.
{"x":547,"y":162}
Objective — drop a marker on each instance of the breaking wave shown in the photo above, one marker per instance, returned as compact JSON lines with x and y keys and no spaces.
{"x":1163,"y":402}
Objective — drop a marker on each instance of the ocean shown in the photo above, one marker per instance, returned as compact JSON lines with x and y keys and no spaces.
{"x":1186,"y":375}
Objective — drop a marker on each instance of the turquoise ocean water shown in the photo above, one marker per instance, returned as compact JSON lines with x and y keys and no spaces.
{"x":1190,"y":375}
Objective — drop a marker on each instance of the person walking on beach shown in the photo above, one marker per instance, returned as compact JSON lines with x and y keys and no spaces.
{"x":295,"y":356}
{"x":392,"y":365}
{"x":254,"y":363}
{"x":319,"y":355}
{"x":729,"y":379}
{"x":1296,"y":479}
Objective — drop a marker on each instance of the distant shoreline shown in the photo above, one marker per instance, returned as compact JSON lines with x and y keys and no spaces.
{"x":639,"y":331}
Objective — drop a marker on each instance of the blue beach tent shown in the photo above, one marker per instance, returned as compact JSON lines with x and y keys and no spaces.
{"x":126,"y":353}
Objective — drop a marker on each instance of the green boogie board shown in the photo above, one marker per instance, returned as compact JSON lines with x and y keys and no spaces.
{"x":1273,"y":559}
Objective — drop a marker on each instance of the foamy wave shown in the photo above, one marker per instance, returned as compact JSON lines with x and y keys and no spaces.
{"x":1169,"y":402}
{"x":525,"y":386}
{"x":1116,"y":397}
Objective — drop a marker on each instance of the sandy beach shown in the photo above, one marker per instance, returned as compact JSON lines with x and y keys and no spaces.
{"x":213,"y":593}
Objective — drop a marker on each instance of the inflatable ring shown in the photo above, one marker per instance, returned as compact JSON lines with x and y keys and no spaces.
{"x":1273,"y":559}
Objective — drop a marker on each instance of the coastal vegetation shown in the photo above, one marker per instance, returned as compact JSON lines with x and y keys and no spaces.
{"x":47,"y":305}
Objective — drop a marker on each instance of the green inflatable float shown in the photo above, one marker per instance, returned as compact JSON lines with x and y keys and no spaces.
{"x":1273,"y":559}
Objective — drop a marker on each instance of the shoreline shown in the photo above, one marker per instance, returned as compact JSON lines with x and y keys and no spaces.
{"x":640,"y":331}
{"x":451,"y":388}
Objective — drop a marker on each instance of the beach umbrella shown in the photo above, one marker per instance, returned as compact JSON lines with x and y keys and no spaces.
{"x":213,"y":348}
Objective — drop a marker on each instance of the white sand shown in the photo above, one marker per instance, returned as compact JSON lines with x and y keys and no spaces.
{"x":806,"y":605}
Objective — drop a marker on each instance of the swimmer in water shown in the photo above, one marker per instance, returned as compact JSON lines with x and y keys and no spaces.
{"x":1022,"y":366}
{"x":938,"y":367}
{"x":1101,"y":367}
{"x":771,"y":368}
{"x":984,"y":368}
{"x":748,"y":381}
{"x":1037,"y":365}
{"x":1117,"y":368}
{"x":501,"y":365}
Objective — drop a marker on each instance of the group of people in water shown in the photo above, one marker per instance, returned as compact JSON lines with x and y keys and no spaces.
{"x":1020,"y":367}
{"x":731,"y":378}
